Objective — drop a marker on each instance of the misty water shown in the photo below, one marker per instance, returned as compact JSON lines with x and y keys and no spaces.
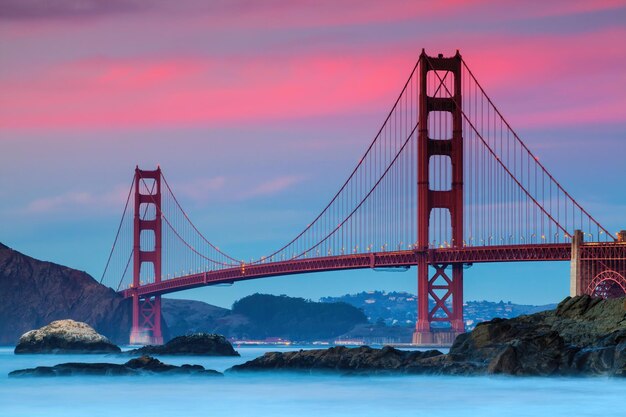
{"x":276,"y":394}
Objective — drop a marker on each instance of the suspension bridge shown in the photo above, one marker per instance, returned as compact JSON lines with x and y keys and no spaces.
{"x":445,"y":183}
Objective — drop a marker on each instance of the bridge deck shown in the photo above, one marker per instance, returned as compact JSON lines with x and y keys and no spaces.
{"x":478,"y":254}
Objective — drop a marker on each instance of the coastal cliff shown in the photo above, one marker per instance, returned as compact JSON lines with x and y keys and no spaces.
{"x":34,"y":293}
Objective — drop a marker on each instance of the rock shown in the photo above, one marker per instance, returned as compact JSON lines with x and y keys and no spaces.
{"x":65,"y":336}
{"x":195,"y":344}
{"x":144,"y":365}
{"x":512,"y":347}
{"x":362,"y":359}
{"x":582,"y":336}
{"x":579,"y":337}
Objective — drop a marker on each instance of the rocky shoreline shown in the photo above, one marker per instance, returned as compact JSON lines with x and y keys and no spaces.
{"x":144,"y":365}
{"x":582,"y":336}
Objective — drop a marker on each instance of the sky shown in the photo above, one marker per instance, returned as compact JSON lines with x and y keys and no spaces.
{"x":258,"y":111}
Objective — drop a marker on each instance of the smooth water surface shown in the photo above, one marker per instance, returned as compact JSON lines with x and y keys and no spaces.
{"x":280,"y":394}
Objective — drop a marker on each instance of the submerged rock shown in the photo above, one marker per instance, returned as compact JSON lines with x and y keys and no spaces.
{"x":144,"y":365}
{"x":582,"y":336}
{"x":65,"y":336}
{"x":195,"y":344}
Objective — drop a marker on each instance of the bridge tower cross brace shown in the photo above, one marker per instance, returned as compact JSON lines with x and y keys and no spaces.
{"x":146,"y":326}
{"x":441,"y":286}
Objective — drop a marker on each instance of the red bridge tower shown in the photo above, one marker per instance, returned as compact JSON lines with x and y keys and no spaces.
{"x":441,"y":286}
{"x":147,"y":310}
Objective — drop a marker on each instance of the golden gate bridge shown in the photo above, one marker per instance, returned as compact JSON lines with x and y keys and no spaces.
{"x":445,"y":183}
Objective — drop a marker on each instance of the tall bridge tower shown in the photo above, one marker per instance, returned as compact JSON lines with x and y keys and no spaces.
{"x":442,"y":285}
{"x":147,"y":232}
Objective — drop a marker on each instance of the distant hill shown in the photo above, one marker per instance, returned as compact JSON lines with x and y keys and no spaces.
{"x":294,"y":318}
{"x":264,"y":316}
{"x":189,"y":316}
{"x":400,"y":308}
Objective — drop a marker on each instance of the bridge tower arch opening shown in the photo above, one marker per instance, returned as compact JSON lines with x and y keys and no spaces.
{"x":607,"y":284}
{"x":441,"y":320}
{"x":598,"y":270}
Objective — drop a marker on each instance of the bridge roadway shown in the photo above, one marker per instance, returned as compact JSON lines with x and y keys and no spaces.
{"x":405,"y":258}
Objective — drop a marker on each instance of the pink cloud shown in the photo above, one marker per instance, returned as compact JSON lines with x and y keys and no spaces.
{"x":330,"y":13}
{"x":563,"y":7}
{"x":181,"y":89}
{"x":201,"y":189}
{"x":79,"y":201}
{"x":169,"y":93}
{"x":273,"y":186}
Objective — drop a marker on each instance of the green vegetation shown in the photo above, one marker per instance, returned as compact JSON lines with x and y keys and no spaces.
{"x":295,"y":319}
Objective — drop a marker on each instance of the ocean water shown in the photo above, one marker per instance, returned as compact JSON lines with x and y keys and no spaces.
{"x":284,"y":394}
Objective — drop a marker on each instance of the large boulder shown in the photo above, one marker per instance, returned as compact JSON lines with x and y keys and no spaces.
{"x":145,"y":365}
{"x":65,"y":336}
{"x":194,"y":344}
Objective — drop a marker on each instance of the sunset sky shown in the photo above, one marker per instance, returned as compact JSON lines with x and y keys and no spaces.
{"x":258,"y":111}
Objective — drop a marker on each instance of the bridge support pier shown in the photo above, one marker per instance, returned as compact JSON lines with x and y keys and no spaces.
{"x":446,"y":292}
{"x":575,"y":277}
{"x":146,"y":328}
